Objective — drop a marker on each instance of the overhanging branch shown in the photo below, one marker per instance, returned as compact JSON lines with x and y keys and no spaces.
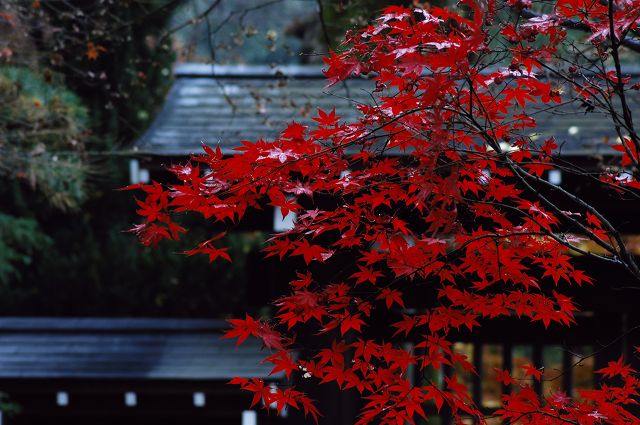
{"x":631,"y":43}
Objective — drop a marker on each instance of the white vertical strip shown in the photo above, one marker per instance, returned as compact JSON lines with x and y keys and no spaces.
{"x":199,"y":399}
{"x":143,"y":176}
{"x":62,"y":398}
{"x":134,"y":171}
{"x":130,"y":399}
{"x":555,"y":177}
{"x":249,"y":417}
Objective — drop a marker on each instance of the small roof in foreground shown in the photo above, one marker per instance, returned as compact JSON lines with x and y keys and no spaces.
{"x":123,"y":348}
{"x":225,"y":104}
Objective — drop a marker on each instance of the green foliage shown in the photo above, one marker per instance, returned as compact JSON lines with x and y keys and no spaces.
{"x":84,"y":263}
{"x":41,"y":135}
{"x":32,"y":99}
{"x":116,"y":61}
{"x":20,"y":239}
{"x":7,"y":406}
{"x":91,"y":267}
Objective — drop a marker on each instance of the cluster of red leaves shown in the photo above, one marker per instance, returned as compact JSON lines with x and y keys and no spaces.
{"x":432,"y":187}
{"x":604,"y":405}
{"x":273,"y":396}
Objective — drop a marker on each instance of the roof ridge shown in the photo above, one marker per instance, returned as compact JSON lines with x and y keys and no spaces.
{"x":186,"y":70}
{"x":107,"y":324}
{"x":195,"y":70}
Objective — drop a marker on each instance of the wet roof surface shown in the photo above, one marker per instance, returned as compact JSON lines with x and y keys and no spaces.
{"x":124,"y":349}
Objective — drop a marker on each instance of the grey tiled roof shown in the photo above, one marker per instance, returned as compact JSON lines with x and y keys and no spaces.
{"x":124,"y":349}
{"x":242,"y":103}
{"x":226,"y":104}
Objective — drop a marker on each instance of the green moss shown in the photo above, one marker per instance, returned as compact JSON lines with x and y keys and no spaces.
{"x":20,"y":239}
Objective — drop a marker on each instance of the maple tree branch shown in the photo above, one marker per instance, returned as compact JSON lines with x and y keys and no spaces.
{"x":621,"y":250}
{"x":593,"y":354}
{"x":544,"y":413}
{"x":619,"y":86}
{"x":628,"y":260}
{"x":323,"y":24}
{"x":552,"y":235}
{"x":517,"y":170}
{"x":631,"y":43}
{"x":606,"y":105}
{"x":191,"y":21}
{"x":493,"y":237}
{"x":326,"y":150}
{"x":449,"y":241}
{"x":572,"y":168}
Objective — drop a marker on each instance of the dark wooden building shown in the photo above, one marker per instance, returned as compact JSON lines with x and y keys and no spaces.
{"x":126,"y":371}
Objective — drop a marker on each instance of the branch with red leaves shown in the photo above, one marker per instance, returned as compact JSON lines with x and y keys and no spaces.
{"x":439,"y":187}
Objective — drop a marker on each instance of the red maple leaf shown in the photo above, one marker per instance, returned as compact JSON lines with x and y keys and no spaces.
{"x":350,"y":322}
{"x":308,"y":251}
{"x":504,"y":377}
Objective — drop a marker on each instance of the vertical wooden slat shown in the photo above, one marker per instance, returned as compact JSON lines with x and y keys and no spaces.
{"x":507,"y":360}
{"x":537,"y":362}
{"x":476,"y":393}
{"x":447,"y":419}
{"x":567,"y":366}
